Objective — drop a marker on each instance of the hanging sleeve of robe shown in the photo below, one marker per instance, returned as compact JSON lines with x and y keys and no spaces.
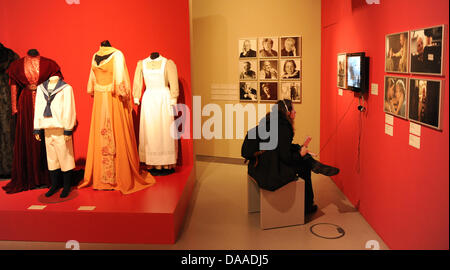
{"x":7,"y":124}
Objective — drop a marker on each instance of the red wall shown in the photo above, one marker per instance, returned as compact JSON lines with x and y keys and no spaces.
{"x":71,"y":34}
{"x":403,"y":192}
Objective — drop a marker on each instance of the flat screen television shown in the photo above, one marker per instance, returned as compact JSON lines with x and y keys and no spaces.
{"x":357,"y":72}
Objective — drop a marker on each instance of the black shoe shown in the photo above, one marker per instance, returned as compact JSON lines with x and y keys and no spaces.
{"x":55,"y":178}
{"x":67,"y":177}
{"x":165,"y":172}
{"x":311,"y":209}
{"x":155,"y":172}
{"x":320,"y":168}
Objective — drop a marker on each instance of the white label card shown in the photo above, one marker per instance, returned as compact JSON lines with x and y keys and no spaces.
{"x":389,"y":130}
{"x":415,"y":129}
{"x":37,"y":207}
{"x":374,"y":90}
{"x":414,"y":141}
{"x":389,"y":119}
{"x":340,"y":91}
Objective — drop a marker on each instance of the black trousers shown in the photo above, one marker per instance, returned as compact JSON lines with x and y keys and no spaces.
{"x":303,"y":170}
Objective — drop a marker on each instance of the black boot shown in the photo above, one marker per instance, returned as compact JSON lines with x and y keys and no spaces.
{"x":55,"y":178}
{"x":67,"y":176}
{"x":320,"y":168}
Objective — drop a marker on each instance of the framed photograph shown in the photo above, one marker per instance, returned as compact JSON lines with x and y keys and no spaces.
{"x":425,"y":100}
{"x":291,"y":90}
{"x":396,"y":95}
{"x":290,"y":69}
{"x":427,"y":49}
{"x":396,"y":53}
{"x":247,"y":47}
{"x":342,"y":70}
{"x":291,"y":46}
{"x":268,"y":69}
{"x":268,"y":91}
{"x":268,"y":47}
{"x":248,"y":69}
{"x":248,"y":91}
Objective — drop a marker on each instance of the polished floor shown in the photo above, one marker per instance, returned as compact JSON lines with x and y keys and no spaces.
{"x":217,"y":218}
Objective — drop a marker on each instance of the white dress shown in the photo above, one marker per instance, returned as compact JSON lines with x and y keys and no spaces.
{"x":157,"y":145}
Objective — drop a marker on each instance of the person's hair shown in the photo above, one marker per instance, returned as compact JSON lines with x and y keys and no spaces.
{"x":247,"y":62}
{"x":269,"y":40}
{"x":290,"y":39}
{"x":284,"y":109}
{"x":402,"y":86}
{"x":287,"y":61}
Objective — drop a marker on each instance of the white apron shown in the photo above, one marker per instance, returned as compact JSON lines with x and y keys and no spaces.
{"x":156,"y":143}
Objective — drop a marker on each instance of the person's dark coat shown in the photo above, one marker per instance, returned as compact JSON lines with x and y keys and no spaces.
{"x":275,"y":168}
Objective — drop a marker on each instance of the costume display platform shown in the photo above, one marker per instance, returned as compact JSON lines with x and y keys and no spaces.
{"x":151,"y":216}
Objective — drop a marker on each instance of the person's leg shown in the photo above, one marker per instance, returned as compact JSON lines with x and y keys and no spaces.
{"x":304,"y":172}
{"x":321,"y":168}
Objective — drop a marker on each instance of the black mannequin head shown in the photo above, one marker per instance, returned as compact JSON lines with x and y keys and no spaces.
{"x":105,"y":43}
{"x":154,"y":55}
{"x":33,"y":52}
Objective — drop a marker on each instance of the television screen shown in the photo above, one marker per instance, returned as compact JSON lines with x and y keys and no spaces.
{"x":354,"y":71}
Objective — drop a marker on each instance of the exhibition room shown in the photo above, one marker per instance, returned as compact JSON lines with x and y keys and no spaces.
{"x":224,"y":125}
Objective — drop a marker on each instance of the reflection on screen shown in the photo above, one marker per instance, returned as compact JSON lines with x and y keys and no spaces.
{"x":354,"y":71}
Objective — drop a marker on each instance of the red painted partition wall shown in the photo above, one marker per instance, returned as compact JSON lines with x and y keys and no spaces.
{"x":71,"y":33}
{"x":402,"y":191}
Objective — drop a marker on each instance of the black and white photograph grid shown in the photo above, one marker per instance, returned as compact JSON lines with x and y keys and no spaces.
{"x":425,"y":102}
{"x":426,"y":50}
{"x":248,"y":91}
{"x":397,"y":52}
{"x":248,"y":69}
{"x":247,"y":47}
{"x":292,"y":91}
{"x":268,"y":47}
{"x":396,"y":95}
{"x":291,"y":46}
{"x":290,"y":69}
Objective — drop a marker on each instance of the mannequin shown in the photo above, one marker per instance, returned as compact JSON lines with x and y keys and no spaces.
{"x":99,"y":58}
{"x":112,"y":161}
{"x":154,"y":55}
{"x":29,"y":168}
{"x":157,"y":147}
{"x":7,"y":56}
{"x":55,"y":114}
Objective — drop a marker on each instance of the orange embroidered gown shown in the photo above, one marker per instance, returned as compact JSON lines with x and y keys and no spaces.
{"x":112,"y":161}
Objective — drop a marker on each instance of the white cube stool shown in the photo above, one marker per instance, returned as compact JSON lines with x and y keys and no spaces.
{"x":280,"y":208}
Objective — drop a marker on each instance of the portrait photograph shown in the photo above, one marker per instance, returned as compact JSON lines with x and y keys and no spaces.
{"x":397,"y":52}
{"x":268,"y":69}
{"x":426,"y":51}
{"x":268,"y":91}
{"x":247,"y":47}
{"x":268,"y":47}
{"x":342,"y":70}
{"x":290,"y":69}
{"x":425,"y":99}
{"x":248,"y":91}
{"x":395,"y":95}
{"x":292,"y":91}
{"x":291,"y":46}
{"x":247,"y":69}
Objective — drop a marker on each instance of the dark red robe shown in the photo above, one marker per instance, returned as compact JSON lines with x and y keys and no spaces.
{"x":29,"y":168}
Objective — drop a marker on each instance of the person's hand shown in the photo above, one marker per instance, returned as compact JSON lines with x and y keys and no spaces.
{"x":67,"y":137}
{"x":37,"y":137}
{"x":304,"y":150}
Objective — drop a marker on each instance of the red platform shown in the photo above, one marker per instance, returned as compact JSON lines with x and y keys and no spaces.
{"x":150,"y":216}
